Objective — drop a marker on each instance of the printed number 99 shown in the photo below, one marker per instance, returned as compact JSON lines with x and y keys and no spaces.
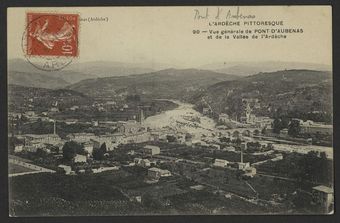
{"x":196,"y":31}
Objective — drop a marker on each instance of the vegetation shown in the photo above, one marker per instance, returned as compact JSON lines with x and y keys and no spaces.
{"x":98,"y":154}
{"x":71,"y":148}
{"x":310,"y":167}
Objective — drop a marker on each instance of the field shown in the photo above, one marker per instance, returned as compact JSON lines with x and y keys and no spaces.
{"x":106,"y":194}
{"x":15,"y":168}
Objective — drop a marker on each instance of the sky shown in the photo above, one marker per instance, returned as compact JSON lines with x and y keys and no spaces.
{"x":165,"y":35}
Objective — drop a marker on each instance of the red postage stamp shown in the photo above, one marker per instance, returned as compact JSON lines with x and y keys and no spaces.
{"x":50,"y":34}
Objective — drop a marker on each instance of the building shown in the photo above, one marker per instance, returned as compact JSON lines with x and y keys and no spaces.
{"x":95,"y":123}
{"x":52,"y":139}
{"x":65,"y":168}
{"x":284,"y":132}
{"x":324,"y":197}
{"x":129,"y":127}
{"x":18,"y":148}
{"x":249,"y":171}
{"x":79,"y":159}
{"x":156,"y":173}
{"x":263,"y":122}
{"x":139,"y":137}
{"x":54,"y":109}
{"x":145,"y":163}
{"x":221,"y":163}
{"x":98,"y":141}
{"x":71,"y":121}
{"x":88,"y":147}
{"x":224,"y":118}
{"x":102,"y":169}
{"x":80,"y":137}
{"x":150,"y":150}
{"x":74,"y":108}
{"x":242,"y":166}
{"x":314,"y":127}
{"x":29,"y":113}
{"x":142,"y":162}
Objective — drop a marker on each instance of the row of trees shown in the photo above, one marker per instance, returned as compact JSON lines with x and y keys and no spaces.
{"x":312,"y":167}
{"x":71,"y":149}
{"x":292,"y":125}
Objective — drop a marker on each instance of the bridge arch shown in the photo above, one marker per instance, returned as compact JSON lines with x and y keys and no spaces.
{"x":246,"y":132}
{"x":236,"y":134}
{"x":256,"y":132}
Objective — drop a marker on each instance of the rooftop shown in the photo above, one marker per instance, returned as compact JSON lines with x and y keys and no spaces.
{"x":151,"y":147}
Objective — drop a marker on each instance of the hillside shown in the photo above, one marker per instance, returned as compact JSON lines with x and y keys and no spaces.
{"x":250,"y":68}
{"x":109,"y":69}
{"x":35,"y":80}
{"x":21,"y":98}
{"x":23,"y":73}
{"x":169,"y":83}
{"x":289,"y":90}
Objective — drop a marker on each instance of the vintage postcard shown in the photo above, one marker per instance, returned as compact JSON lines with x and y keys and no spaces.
{"x":214,"y":110}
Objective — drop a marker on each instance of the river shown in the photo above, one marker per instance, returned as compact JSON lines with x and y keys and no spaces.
{"x":185,"y":118}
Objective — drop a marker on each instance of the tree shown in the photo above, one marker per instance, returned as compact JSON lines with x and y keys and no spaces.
{"x":277,"y":125}
{"x":98,"y":154}
{"x":70,"y":149}
{"x":294,"y":128}
{"x":41,"y":153}
{"x":103,"y":148}
{"x":171,"y":138}
{"x":225,"y":139}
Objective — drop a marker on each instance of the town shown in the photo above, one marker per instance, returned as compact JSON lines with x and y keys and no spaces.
{"x":177,"y":158}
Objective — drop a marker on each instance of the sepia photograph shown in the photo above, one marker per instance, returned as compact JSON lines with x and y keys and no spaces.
{"x":178,"y":110}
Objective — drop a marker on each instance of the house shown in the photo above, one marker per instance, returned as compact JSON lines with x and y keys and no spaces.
{"x":156,"y":173}
{"x":242,"y":166}
{"x":65,"y":168}
{"x":244,"y":146}
{"x":18,"y":148}
{"x":80,"y":137}
{"x":284,"y":132}
{"x":220,"y":163}
{"x":263,"y":122}
{"x":29,"y":113}
{"x":88,"y":147}
{"x":249,"y":171}
{"x":150,"y":150}
{"x":142,"y":162}
{"x":324,"y":197}
{"x":145,"y":163}
{"x":102,"y":169}
{"x":54,"y":109}
{"x":79,"y":158}
{"x":277,"y":157}
{"x":215,"y":146}
{"x":223,"y":118}
{"x":70,"y":121}
{"x":229,"y":148}
{"x":74,"y":108}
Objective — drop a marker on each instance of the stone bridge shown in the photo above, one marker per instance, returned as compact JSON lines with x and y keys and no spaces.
{"x":240,"y":132}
